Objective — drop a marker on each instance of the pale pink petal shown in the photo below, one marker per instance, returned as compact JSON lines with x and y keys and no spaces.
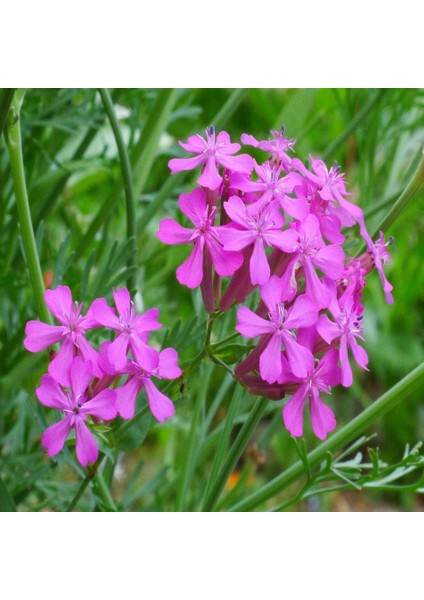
{"x":40,"y":336}
{"x":102,"y":406}
{"x":195,"y":144}
{"x":145,"y":356}
{"x":210,"y":178}
{"x":304,"y":313}
{"x":80,"y":375}
{"x":148,"y":321}
{"x":126,"y":397}
{"x":295,"y":207}
{"x":251,"y":325}
{"x":301,"y":359}
{"x":322,"y":417}
{"x":293,"y":412}
{"x":117,"y":351}
{"x":122,"y":300}
{"x":224,"y":138}
{"x":242,"y":163}
{"x":330,"y":229}
{"x":270,"y":360}
{"x":330,"y":372}
{"x":272,"y":291}
{"x":310,"y":227}
{"x":194,"y":205}
{"x":347,"y":377}
{"x":101,"y":313}
{"x":283,"y":240}
{"x":54,"y":437}
{"x":225,"y":263}
{"x":249,"y":140}
{"x":60,"y":365}
{"x":242,"y":182}
{"x":190,"y":273}
{"x":359,"y":353}
{"x":237,"y":211}
{"x":328,"y":330}
{"x":161,"y":406}
{"x":50,"y":394}
{"x":330,"y":259}
{"x":236,"y":239}
{"x":185,"y":164}
{"x":86,"y":350}
{"x":59,"y":303}
{"x":315,"y":289}
{"x":171,"y":232}
{"x":168,"y":364}
{"x":259,"y":267}
{"x":86,"y":445}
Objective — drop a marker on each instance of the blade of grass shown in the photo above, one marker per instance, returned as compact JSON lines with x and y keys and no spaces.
{"x":5,"y":102}
{"x":401,"y":391}
{"x":6,"y":501}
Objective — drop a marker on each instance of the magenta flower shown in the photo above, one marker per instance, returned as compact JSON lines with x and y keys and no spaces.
{"x":160,"y":405}
{"x":260,"y":227}
{"x":70,"y":333}
{"x":346,"y":328}
{"x":381,"y":257}
{"x":282,"y":322}
{"x":277,"y":146}
{"x":76,"y":406}
{"x":320,"y":378}
{"x":212,"y":152}
{"x":205,"y":238}
{"x":312,"y":252}
{"x":133,"y":330}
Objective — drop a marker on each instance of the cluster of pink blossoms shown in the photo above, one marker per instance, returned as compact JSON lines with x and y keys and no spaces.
{"x":278,"y":225}
{"x":81,"y":381}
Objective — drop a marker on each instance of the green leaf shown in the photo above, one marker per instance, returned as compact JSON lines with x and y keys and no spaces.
{"x":6,"y":501}
{"x":232,"y":353}
{"x":135,"y":435}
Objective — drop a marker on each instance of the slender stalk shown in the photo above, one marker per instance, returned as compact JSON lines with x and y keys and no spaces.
{"x":229,"y":108}
{"x":14,"y":148}
{"x":6,"y":97}
{"x":6,"y":500}
{"x":357,"y":426}
{"x":236,"y":451}
{"x":409,"y":192}
{"x":90,"y":474}
{"x":127,"y":178}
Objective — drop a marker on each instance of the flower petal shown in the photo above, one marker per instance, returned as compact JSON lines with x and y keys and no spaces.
{"x":347,"y":377}
{"x":60,"y":365}
{"x":328,"y":330}
{"x":301,"y":359}
{"x":210,"y":178}
{"x":168,"y":364}
{"x":126,"y":397}
{"x":171,"y":232}
{"x":50,"y":394}
{"x":359,"y":353}
{"x":54,"y":437}
{"x":304,"y":313}
{"x":117,"y":351}
{"x":103,"y":314}
{"x":102,"y":406}
{"x":161,"y":406}
{"x":322,"y":417}
{"x":293,"y":412}
{"x":271,"y":292}
{"x":145,"y":356}
{"x":122,"y":300}
{"x":270,"y":360}
{"x":190,"y":273}
{"x":40,"y":336}
{"x":86,"y":445}
{"x":80,"y":375}
{"x":194,"y":205}
{"x":225,"y":262}
{"x":251,"y":325}
{"x":59,"y":302}
{"x":185,"y":164}
{"x":259,"y":267}
{"x":148,"y":321}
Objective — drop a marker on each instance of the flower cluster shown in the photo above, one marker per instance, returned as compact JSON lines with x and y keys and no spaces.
{"x":279,"y":226}
{"x":82,"y":382}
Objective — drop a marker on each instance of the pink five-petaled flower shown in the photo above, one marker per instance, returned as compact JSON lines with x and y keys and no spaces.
{"x":133,"y":329}
{"x":346,"y":327}
{"x":312,"y":252}
{"x":381,"y":256}
{"x":282,"y":322}
{"x":211,"y":152}
{"x":205,"y":237}
{"x":277,"y":146}
{"x":71,"y":332}
{"x":160,"y":405}
{"x":320,"y":378}
{"x":258,"y":226}
{"x":76,"y":406}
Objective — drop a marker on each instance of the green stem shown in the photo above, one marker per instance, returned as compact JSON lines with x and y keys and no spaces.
{"x":14,"y":147}
{"x":6,"y":500}
{"x":229,"y":108}
{"x":357,"y":426}
{"x":409,"y":192}
{"x":90,"y":474}
{"x":236,"y":451}
{"x":6,"y":98}
{"x":127,"y":178}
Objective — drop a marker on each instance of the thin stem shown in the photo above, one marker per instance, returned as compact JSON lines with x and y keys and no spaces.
{"x":357,"y":426}
{"x":90,"y":474}
{"x":409,"y":192}
{"x":14,"y":148}
{"x":236,"y":451}
{"x":6,"y":98}
{"x":127,"y":178}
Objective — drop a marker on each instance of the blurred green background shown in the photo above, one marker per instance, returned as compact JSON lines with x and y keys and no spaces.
{"x":77,"y":203}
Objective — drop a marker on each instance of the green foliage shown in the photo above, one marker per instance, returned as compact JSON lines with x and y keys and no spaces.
{"x":222,"y":445}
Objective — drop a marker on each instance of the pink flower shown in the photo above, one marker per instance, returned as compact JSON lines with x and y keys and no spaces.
{"x":346,"y":328}
{"x":70,"y":333}
{"x":76,"y":406}
{"x":212,"y":152}
{"x":204,"y":237}
{"x":260,"y":227}
{"x":160,"y":405}
{"x":277,"y":146}
{"x":282,"y":322}
{"x":133,"y":329}
{"x":312,"y":252}
{"x":381,"y":257}
{"x":319,"y":379}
